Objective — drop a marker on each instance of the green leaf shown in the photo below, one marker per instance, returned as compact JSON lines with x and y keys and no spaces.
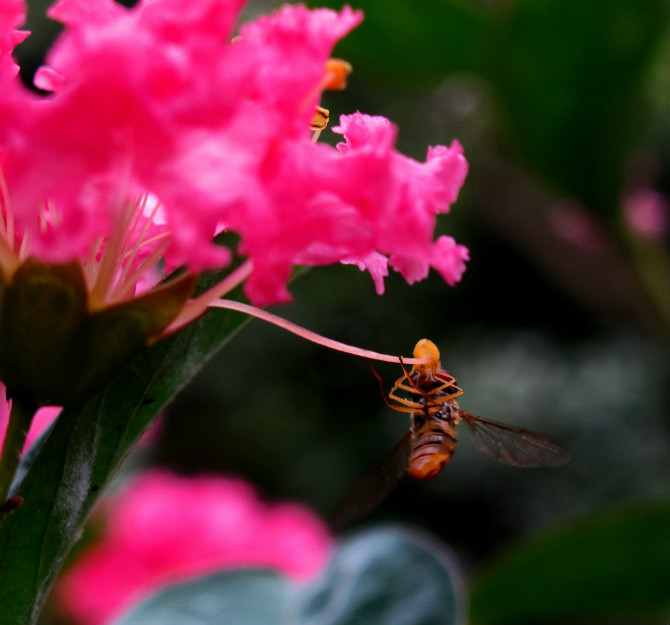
{"x":240,"y":597}
{"x":81,"y":454}
{"x":386,"y":575}
{"x":611,"y":568}
{"x":568,"y":74}
{"x":411,"y":43}
{"x":383,"y":575}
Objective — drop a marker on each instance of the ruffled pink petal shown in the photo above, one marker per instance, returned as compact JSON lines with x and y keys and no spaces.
{"x":156,"y":101}
{"x":376,"y":264}
{"x":363,"y":203}
{"x":164,"y":528}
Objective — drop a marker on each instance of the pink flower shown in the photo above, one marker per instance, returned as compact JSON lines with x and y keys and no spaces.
{"x":647,"y":213}
{"x":161,"y":102}
{"x":573,"y":223}
{"x":43,"y":418}
{"x":163,"y":127}
{"x":361,"y":202}
{"x":163,"y":528}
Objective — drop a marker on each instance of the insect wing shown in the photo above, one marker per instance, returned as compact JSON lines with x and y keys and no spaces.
{"x":514,"y":446}
{"x":374,"y":486}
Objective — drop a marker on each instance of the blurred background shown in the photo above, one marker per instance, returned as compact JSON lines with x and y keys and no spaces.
{"x":561,"y":323}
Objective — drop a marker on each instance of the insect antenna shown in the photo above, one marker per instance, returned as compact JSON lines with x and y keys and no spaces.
{"x":380,"y":380}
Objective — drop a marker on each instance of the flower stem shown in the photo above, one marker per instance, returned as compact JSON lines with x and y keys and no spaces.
{"x":313,"y":336}
{"x":20,"y":418}
{"x":200,"y":304}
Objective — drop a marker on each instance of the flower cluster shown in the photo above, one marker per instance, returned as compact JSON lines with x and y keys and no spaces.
{"x":164,"y":125}
{"x":163,"y":528}
{"x":150,"y":131}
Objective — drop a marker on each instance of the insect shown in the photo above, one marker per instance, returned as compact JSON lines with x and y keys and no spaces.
{"x":430,"y":443}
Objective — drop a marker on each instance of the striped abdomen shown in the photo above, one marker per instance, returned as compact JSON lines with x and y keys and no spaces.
{"x":433,"y":442}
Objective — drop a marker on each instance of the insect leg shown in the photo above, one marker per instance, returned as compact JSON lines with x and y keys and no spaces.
{"x":409,"y":407}
{"x":443,"y":398}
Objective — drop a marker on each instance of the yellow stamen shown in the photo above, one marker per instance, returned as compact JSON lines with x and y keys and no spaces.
{"x":320,"y":119}
{"x":337,"y":72}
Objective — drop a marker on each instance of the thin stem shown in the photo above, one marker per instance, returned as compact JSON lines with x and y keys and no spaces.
{"x":126,"y":288}
{"x":7,"y":221}
{"x":200,"y":304}
{"x":90,"y":265}
{"x":313,"y":336}
{"x":125,"y":285}
{"x":20,"y":418}
{"x":8,"y":259}
{"x":109,"y":262}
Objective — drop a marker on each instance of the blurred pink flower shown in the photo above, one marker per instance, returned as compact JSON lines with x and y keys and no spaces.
{"x":647,"y":213}
{"x":162,"y":128}
{"x":43,"y":418}
{"x":573,"y":223}
{"x":163,"y":528}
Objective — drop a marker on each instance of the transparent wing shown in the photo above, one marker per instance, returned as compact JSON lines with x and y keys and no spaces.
{"x":374,"y":486}
{"x":514,"y":446}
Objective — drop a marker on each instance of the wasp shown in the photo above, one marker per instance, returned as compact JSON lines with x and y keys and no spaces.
{"x":429,"y":444}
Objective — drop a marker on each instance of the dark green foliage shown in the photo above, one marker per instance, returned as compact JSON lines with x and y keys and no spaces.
{"x":610,"y":568}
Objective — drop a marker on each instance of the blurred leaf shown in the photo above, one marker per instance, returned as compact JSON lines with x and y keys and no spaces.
{"x":386,"y":575}
{"x":241,"y":597}
{"x":383,"y":575}
{"x":611,"y":568}
{"x":81,"y":454}
{"x":413,"y":43}
{"x":568,"y":73}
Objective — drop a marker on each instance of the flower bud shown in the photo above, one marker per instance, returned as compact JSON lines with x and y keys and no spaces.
{"x":55,"y":350}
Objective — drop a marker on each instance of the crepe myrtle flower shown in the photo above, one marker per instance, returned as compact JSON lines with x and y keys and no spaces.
{"x":141,"y":545}
{"x":162,"y":126}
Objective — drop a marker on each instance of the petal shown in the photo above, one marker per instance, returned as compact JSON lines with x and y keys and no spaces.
{"x":449,"y":258}
{"x":376,"y":264}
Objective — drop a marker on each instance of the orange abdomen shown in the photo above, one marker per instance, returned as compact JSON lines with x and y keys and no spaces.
{"x":433,"y":446}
